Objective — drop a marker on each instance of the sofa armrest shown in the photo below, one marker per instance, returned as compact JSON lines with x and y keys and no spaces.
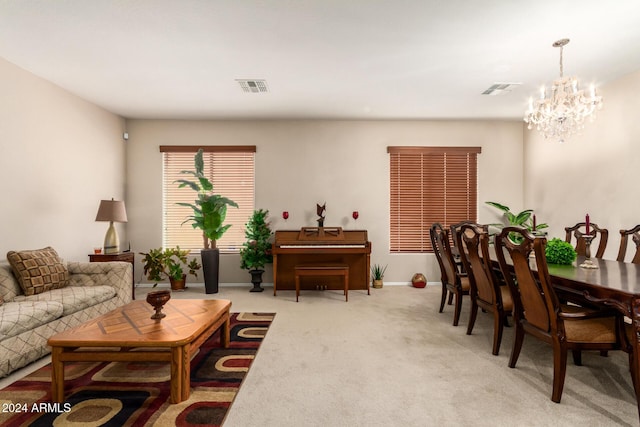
{"x":116,"y":274}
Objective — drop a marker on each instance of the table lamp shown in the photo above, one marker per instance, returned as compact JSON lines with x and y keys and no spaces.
{"x":111,"y":210}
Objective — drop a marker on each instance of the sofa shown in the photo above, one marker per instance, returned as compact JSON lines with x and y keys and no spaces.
{"x":28,"y":317}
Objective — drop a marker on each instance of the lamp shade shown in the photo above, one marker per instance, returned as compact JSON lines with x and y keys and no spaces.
{"x":111,"y":210}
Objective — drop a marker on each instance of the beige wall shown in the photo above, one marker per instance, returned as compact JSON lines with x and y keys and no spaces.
{"x":59,"y":155}
{"x":596,"y":173}
{"x":301,"y":163}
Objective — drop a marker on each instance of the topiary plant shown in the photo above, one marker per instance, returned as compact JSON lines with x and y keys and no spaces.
{"x":559,"y":252}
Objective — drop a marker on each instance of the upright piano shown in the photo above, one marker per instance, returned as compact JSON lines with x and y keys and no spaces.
{"x":321,"y":245}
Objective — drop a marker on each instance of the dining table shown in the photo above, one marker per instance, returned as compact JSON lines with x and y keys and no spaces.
{"x":612,"y":284}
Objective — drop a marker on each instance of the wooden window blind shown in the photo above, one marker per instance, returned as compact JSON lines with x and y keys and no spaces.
{"x":428,"y":185}
{"x":231,"y":170}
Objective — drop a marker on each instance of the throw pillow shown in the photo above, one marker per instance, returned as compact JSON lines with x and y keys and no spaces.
{"x":38,"y":270}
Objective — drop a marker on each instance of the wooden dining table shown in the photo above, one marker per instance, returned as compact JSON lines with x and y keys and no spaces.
{"x":613,"y":284}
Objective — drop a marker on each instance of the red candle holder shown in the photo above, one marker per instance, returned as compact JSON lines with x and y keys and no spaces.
{"x":285,"y":215}
{"x":355,"y":214}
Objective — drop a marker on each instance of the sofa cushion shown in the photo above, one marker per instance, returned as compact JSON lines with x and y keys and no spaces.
{"x":9,"y":286}
{"x":73,"y":298}
{"x":18,"y":317}
{"x":38,"y":270}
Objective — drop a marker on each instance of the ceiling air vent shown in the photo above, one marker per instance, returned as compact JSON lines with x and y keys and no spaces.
{"x":500,"y":88}
{"x":253,"y":86}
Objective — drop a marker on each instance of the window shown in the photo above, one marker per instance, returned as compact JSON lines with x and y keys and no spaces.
{"x":429,"y":184}
{"x":231,"y":170}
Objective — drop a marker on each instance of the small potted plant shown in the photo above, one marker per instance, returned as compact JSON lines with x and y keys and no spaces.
{"x":560,"y":252}
{"x":377,"y":274}
{"x":256,"y":251}
{"x":171,"y":264}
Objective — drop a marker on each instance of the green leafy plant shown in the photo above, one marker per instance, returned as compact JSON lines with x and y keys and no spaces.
{"x":520,"y":219}
{"x":256,"y":251}
{"x":377,"y":271}
{"x":209,"y":209}
{"x":169,"y":263}
{"x":559,"y":252}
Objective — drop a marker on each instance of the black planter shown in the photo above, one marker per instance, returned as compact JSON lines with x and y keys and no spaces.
{"x":256,"y":279}
{"x":210,"y":269}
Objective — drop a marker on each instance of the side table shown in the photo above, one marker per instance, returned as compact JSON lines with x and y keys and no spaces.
{"x":120,"y":256}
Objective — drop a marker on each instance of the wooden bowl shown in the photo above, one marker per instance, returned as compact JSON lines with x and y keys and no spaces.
{"x":158,"y":299}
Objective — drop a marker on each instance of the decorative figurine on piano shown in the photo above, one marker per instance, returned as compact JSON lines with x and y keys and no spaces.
{"x":320,"y":210}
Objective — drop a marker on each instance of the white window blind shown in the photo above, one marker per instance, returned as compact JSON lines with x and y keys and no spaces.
{"x":231,"y":170}
{"x":428,"y":185}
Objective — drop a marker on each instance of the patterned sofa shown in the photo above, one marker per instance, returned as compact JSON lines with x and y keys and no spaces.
{"x":27,"y":321}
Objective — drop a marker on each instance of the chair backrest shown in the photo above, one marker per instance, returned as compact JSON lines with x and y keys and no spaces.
{"x":473,"y":241}
{"x":534,"y":300}
{"x":455,"y":229}
{"x":434,"y":230}
{"x":624,"y":239}
{"x":442,"y":247}
{"x":595,"y":231}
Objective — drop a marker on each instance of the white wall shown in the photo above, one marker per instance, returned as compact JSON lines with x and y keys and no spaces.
{"x":59,"y":155}
{"x":301,"y":163}
{"x":595,"y":173}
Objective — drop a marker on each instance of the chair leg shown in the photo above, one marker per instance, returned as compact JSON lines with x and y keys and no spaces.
{"x":498,"y":327}
{"x":577,"y":357}
{"x":517,"y":345}
{"x":472,"y":316}
{"x":443,"y":299}
{"x":559,"y":371}
{"x":450,"y":298}
{"x":458,"y":309}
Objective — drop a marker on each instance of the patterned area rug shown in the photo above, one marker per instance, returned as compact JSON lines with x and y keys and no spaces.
{"x":137,"y":393}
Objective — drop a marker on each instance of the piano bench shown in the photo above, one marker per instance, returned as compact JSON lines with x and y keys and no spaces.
{"x":316,"y":270}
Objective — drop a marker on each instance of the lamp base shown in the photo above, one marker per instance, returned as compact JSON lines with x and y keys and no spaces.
{"x":111,"y":241}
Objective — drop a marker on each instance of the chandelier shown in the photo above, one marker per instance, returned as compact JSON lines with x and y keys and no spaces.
{"x":563,"y":112}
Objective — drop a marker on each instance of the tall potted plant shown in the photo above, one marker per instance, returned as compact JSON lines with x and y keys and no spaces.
{"x":256,"y":251}
{"x":209,"y":213}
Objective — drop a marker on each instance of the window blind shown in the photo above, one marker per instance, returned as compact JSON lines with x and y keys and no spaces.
{"x":428,"y":185}
{"x":231,"y":170}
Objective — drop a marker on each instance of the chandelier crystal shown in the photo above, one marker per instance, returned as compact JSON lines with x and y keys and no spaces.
{"x":562,"y":113}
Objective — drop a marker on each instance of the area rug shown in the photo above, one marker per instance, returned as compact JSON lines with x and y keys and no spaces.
{"x":137,"y":393}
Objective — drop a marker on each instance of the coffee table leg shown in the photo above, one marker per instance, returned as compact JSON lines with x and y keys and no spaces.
{"x":57,"y":375}
{"x":177,"y":374}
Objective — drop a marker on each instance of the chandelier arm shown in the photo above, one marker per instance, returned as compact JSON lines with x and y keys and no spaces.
{"x":561,"y":68}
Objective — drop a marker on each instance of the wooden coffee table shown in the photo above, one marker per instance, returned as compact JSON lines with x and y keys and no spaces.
{"x":187,"y":325}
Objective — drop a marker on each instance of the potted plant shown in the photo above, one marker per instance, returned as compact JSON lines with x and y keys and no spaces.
{"x":169,"y":263}
{"x":256,"y":251}
{"x":560,"y":252}
{"x":524,"y":219}
{"x":209,"y":213}
{"x":377,"y":274}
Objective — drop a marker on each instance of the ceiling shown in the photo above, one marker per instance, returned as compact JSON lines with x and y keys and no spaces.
{"x":321,"y":59}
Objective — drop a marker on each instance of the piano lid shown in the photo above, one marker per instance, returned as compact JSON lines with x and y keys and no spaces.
{"x":321,"y":233}
{"x":320,"y":236}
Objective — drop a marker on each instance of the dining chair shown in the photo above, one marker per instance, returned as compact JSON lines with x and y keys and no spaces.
{"x":624,"y":238}
{"x":453,"y":282}
{"x":538,"y":312}
{"x":455,"y":229}
{"x":595,"y":231}
{"x":433,"y":230}
{"x":485,"y":290}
